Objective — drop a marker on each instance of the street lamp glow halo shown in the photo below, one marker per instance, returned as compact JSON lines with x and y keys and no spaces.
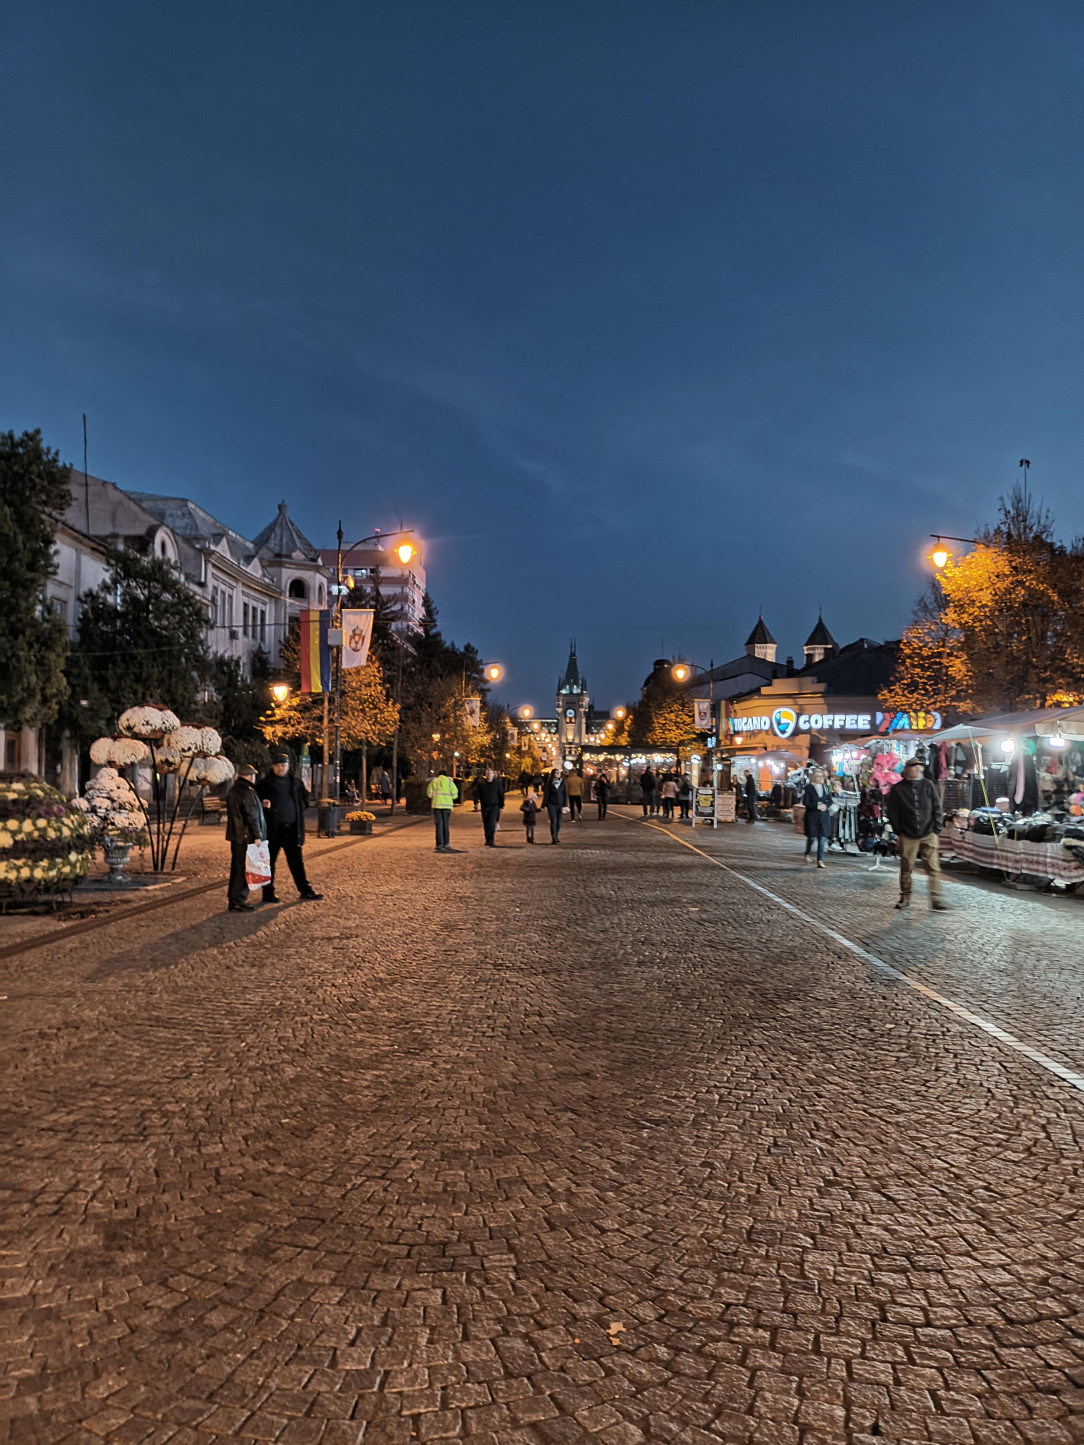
{"x":493,"y":671}
{"x":281,"y":691}
{"x":404,"y":552}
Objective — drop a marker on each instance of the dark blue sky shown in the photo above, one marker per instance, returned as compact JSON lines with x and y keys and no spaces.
{"x":644,"y":314}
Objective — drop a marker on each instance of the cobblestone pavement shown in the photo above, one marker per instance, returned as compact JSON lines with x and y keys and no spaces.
{"x":547,"y":1144}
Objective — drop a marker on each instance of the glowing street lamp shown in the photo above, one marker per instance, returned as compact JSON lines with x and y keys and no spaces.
{"x":493,"y":672}
{"x":941,"y":555}
{"x":404,"y":552}
{"x":619,"y":713}
{"x":280,"y":692}
{"x":680,"y":671}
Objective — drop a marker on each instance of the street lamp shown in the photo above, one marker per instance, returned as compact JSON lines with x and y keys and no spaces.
{"x":404,"y":551}
{"x":526,"y":712}
{"x":619,"y":713}
{"x":280,"y":692}
{"x":681,"y":672}
{"x":940,"y":555}
{"x":493,"y":671}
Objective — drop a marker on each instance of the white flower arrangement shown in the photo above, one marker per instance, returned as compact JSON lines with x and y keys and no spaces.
{"x":167,"y":760}
{"x":111,"y":807}
{"x":185,"y":740}
{"x":148,"y":722}
{"x":122,"y":752}
{"x":211,"y":771}
{"x":211,"y":745}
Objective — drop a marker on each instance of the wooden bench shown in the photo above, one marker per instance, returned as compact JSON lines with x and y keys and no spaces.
{"x":212,"y":810}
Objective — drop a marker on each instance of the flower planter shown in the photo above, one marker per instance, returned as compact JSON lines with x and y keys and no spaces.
{"x":116,"y":856}
{"x":363,"y":828}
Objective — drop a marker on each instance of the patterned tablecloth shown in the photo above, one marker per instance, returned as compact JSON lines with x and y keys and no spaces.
{"x":1041,"y":860}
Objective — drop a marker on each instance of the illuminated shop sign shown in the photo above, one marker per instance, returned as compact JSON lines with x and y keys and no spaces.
{"x":785,"y":722}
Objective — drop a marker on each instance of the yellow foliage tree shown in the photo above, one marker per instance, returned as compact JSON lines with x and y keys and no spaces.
{"x":1002,"y":627}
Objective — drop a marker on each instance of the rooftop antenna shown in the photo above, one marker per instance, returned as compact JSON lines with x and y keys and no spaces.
{"x":86,"y":483}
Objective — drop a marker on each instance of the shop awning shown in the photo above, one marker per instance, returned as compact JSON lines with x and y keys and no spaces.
{"x":997,"y":724}
{"x":1069,"y":723}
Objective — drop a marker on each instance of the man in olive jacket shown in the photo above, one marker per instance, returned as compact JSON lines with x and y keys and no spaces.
{"x":914,"y":810}
{"x":284,"y":800}
{"x":244,"y":825}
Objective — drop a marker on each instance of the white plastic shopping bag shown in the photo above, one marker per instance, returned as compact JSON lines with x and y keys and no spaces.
{"x":258,"y":864}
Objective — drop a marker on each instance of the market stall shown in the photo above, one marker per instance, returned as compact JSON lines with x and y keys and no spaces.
{"x":1012,"y":787}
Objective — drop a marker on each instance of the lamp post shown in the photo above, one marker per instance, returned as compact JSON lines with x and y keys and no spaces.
{"x":940,"y":554}
{"x":682,"y":671}
{"x":404,"y":551}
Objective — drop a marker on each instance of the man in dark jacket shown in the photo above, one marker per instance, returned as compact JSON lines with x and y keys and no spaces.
{"x":555,"y":800}
{"x":284,"y":798}
{"x":914,"y":810}
{"x":489,"y":791}
{"x":647,"y":791}
{"x":244,"y":825}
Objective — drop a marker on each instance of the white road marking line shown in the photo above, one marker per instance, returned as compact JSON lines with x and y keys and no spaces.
{"x":1052,"y":1066}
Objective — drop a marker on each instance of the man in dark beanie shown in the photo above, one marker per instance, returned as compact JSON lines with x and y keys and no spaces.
{"x":284,"y":798}
{"x":245,"y":824}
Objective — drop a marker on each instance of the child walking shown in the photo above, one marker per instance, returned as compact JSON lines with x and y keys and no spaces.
{"x":529,"y":809}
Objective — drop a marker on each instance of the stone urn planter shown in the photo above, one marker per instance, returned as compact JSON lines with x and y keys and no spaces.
{"x":116,"y":855}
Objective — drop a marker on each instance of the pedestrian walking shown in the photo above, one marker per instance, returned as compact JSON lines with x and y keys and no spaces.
{"x":245,"y":824}
{"x":750,"y":797}
{"x":442,"y":793}
{"x":284,"y":800}
{"x":555,"y":800}
{"x":647,"y":791}
{"x":669,"y":792}
{"x":476,"y":783}
{"x":817,"y":800}
{"x":529,"y":809}
{"x":914,"y":810}
{"x":602,"y":795}
{"x":685,"y":793}
{"x":574,"y":788}
{"x":384,"y":781}
{"x":490,"y":791}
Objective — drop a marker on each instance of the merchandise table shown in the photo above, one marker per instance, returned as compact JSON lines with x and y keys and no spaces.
{"x":1007,"y":855}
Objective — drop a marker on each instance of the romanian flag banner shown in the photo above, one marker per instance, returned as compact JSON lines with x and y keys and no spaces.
{"x":315,"y":652}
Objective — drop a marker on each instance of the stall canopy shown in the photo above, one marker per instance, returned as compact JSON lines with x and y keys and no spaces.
{"x":1043,"y":719}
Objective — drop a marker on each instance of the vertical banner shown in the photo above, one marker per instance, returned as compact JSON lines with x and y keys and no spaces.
{"x":357,"y":634}
{"x":702,"y":714}
{"x":473,"y":708}
{"x":315,"y":652}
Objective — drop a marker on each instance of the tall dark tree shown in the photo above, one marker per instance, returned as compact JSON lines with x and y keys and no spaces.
{"x":34,"y":491}
{"x":141,"y":638}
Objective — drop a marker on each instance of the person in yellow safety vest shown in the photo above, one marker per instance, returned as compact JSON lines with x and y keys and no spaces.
{"x":442,"y":793}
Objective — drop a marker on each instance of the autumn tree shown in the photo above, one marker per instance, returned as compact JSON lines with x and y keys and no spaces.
{"x":141,"y":637}
{"x":34,"y":491}
{"x":663,"y":718}
{"x":1001,"y":627}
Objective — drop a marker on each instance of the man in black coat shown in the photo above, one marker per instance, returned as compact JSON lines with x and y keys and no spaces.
{"x":490,"y":794}
{"x":554,"y":800}
{"x":284,"y":799}
{"x":914,"y":810}
{"x":750,"y":797}
{"x":245,"y":824}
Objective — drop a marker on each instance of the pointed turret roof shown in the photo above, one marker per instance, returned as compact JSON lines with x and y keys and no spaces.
{"x":759,"y":634}
{"x":573,"y":680}
{"x":820,"y":636}
{"x":283,"y":538}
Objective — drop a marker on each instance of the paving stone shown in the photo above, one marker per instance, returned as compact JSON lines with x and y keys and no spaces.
{"x":303,"y":1176}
